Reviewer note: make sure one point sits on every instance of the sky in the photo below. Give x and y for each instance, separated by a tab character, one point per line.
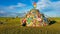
12	8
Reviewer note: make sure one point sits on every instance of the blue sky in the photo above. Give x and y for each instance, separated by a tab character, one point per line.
11	8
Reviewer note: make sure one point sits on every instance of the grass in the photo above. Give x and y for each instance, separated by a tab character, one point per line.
12	26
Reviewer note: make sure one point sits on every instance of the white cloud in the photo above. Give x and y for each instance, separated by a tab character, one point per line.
41	4
18	5
47	5
11	7
56	6
2	12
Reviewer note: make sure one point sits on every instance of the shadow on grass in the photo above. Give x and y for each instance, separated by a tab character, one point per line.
1	22
52	22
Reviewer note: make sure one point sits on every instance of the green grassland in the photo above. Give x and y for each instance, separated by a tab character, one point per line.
10	25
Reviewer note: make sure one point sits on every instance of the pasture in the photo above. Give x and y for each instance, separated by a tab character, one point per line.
10	25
